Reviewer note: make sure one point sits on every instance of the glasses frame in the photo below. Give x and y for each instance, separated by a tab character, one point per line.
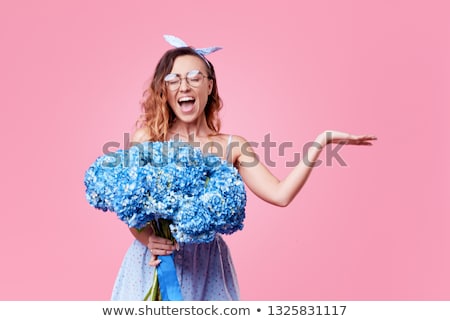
185	78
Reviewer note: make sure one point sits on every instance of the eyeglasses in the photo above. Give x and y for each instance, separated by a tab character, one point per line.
194	78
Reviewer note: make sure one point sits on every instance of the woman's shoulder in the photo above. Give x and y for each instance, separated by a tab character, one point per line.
231	138
140	135
234	146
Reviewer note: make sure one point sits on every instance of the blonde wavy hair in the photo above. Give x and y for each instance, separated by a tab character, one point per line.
157	116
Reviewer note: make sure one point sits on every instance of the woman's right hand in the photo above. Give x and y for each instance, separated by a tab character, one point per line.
159	246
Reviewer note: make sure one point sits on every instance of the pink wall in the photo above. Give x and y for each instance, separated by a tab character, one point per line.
72	74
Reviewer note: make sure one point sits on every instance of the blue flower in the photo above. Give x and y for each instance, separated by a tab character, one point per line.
200	194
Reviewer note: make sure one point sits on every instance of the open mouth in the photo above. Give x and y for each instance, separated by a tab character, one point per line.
186	103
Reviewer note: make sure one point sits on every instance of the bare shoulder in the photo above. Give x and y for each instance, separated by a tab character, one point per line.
238	139
230	140
238	142
238	148
140	135
224	137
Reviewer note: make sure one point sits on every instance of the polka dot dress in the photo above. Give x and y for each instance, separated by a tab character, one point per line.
205	272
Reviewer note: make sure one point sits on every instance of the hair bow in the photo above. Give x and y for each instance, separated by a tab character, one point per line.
178	43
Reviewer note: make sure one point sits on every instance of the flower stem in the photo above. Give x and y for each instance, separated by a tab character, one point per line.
154	294
162	229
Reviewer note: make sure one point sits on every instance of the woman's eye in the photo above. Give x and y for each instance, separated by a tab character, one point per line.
171	77
193	73
194	79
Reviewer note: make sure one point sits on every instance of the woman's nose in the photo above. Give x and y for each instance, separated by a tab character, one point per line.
184	85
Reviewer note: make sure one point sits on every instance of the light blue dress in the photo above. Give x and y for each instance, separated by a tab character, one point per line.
205	272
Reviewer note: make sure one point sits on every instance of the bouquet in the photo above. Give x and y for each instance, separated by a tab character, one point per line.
186	196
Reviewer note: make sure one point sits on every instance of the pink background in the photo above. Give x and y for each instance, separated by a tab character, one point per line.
71	78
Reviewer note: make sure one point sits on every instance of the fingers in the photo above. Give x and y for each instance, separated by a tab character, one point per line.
365	140
362	137
159	246
159	240
154	261
367	137
158	251
164	247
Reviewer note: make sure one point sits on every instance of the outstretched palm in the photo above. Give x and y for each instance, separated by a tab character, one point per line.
337	137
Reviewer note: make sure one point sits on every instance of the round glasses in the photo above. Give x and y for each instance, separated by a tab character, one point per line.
194	78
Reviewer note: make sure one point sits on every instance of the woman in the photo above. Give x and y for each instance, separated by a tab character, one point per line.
183	103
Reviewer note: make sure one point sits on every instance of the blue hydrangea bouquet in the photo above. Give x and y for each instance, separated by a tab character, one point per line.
184	194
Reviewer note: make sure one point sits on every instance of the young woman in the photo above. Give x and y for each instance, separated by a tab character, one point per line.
182	103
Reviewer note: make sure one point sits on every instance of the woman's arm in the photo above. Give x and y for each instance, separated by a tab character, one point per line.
281	192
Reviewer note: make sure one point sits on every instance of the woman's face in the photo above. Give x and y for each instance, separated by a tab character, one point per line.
188	101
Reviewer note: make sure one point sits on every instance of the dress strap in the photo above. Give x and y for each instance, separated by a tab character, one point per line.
228	148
